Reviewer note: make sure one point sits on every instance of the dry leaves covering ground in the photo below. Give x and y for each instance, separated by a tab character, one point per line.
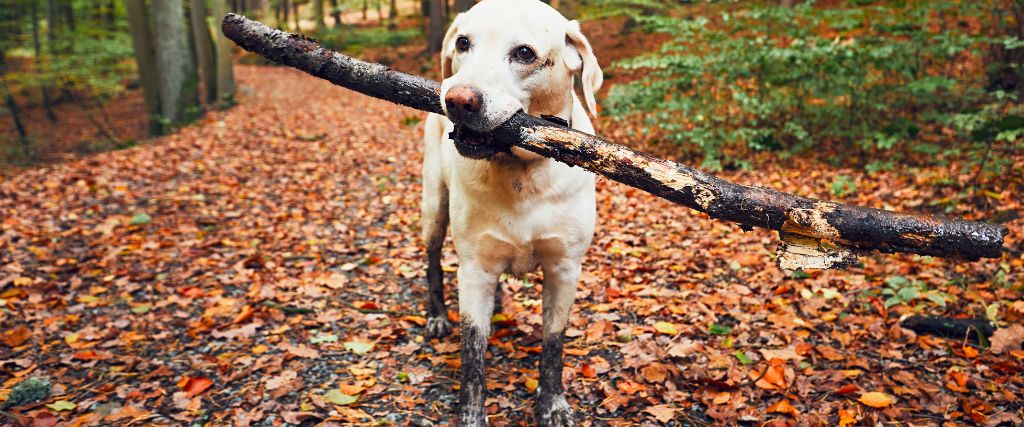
263	268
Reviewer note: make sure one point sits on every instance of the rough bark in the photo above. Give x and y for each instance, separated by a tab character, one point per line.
225	70
846	227
204	49
142	44
176	75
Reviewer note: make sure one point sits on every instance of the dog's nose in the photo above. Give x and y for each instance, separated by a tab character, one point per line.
463	102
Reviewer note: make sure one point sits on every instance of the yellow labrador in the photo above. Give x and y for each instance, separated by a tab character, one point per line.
514	211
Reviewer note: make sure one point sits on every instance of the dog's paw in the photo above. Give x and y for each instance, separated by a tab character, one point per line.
438	327
554	411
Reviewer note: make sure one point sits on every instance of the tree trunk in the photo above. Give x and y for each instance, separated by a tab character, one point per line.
142	44
393	12
336	13
12	109
37	49
204	49
176	75
225	69
295	15
850	227
435	30
380	12
286	8
365	6
318	14
463	5
569	8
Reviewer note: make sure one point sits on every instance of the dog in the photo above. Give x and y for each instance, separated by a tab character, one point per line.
515	211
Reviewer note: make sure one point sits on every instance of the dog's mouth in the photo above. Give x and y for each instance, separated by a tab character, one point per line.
488	145
478	145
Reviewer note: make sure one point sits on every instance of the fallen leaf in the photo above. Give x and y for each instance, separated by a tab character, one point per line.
15	336
666	328
1009	338
783	407
336	397
359	347
62	405
876	399
662	413
194	386
300	350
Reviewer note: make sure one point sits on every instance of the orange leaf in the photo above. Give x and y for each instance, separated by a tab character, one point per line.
847	389
629	387
351	389
16	336
418	320
969	352
588	371
244	315
577	351
847	417
90	355
876	399
194	386
531	384
783	407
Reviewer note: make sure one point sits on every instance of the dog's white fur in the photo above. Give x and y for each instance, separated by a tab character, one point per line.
515	212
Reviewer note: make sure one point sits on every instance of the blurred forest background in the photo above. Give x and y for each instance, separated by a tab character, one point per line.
869	83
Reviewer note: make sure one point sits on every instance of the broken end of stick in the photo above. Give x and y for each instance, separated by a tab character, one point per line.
798	252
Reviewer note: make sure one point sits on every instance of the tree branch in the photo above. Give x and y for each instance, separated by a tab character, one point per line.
803	222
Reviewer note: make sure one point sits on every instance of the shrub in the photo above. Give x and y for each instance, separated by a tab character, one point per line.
864	79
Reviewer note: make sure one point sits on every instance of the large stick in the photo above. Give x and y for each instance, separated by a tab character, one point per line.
802	222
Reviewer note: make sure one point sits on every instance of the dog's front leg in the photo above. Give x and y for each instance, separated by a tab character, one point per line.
552	410
476	306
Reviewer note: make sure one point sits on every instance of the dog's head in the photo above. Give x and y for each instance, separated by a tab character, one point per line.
503	56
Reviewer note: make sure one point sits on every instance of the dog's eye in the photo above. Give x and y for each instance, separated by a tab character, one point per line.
462	43
524	54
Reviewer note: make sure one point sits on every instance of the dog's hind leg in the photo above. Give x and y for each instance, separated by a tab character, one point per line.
435	225
551	409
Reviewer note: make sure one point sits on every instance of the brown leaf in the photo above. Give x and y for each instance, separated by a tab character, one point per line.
300	350
1009	338
15	336
194	386
783	407
662	413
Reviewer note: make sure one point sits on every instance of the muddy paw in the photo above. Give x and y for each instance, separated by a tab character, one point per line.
554	411
438	327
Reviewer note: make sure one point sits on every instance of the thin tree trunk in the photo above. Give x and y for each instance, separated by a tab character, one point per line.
336	13
295	15
463	5
204	49
365	6
225	69
286	8
797	219
380	11
12	109
318	14
142	44
176	71
37	48
435	29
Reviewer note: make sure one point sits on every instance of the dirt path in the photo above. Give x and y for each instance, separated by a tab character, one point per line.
260	267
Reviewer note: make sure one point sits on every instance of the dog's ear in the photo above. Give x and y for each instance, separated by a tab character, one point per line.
581	58
447	50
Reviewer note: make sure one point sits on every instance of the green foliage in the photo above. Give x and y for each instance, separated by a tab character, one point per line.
354	39
864	78
900	290
599	9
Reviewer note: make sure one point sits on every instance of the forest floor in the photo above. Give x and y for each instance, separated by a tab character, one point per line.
263	267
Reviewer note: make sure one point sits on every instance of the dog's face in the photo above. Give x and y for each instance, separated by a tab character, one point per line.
503	56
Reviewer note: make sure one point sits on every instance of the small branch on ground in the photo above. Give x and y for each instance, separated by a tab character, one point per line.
843	228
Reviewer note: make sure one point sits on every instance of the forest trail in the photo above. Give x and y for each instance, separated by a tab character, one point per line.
264	266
